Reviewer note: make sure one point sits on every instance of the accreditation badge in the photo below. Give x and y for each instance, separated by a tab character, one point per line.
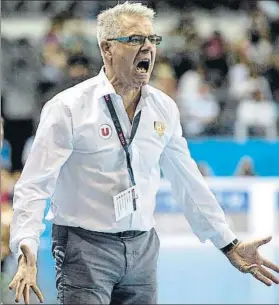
125	203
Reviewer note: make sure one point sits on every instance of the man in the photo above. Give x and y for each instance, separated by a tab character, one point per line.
103	189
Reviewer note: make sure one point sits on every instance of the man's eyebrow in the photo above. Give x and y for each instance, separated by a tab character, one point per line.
134	33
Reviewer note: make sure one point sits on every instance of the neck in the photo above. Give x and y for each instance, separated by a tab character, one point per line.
130	95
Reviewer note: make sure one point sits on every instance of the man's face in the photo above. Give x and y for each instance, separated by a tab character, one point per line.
126	60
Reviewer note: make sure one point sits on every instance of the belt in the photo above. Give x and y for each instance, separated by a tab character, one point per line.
127	234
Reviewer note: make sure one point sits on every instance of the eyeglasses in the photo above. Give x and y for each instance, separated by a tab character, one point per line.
136	40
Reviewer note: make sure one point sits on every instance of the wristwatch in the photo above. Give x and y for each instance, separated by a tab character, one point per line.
230	246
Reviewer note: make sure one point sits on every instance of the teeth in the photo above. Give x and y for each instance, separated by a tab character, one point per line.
141	70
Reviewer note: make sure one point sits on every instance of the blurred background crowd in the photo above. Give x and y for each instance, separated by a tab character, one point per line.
219	61
225	79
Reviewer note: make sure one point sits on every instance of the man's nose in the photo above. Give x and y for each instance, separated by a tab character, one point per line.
147	45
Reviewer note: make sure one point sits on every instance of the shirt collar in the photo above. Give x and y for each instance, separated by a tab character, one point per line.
107	88
105	85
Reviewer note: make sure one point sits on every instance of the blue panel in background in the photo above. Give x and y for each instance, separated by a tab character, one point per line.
233	201
166	204
223	155
230	200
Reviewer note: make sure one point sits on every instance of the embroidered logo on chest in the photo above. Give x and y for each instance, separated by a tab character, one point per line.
160	128
105	131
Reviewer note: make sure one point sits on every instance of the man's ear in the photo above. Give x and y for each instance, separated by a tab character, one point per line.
106	49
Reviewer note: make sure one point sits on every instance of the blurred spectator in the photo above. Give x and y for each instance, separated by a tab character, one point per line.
200	113
258	49
76	71
8	179
215	58
245	167
54	57
164	77
239	72
19	108
75	41
259	20
8	260
7	185
1	132
256	117
272	75
205	169
35	70
183	45
78	68
54	62
189	83
54	35
247	87
6	217
6	155
193	47
198	108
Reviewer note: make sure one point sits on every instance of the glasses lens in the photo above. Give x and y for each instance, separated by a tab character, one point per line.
137	39
154	39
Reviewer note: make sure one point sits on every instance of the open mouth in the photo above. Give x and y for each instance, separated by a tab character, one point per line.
143	66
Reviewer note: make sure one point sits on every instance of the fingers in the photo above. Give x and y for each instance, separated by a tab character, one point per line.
24	289
270	265
269	275
247	268
26	294
37	291
19	290
14	282
256	273
262	241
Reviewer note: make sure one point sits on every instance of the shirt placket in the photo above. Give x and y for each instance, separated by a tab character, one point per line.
127	129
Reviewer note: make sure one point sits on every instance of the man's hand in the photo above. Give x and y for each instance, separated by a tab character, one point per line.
246	258
26	277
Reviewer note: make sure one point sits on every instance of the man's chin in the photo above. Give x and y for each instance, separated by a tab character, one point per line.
142	81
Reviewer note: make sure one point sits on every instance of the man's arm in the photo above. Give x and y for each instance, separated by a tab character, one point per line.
51	148
190	190
205	214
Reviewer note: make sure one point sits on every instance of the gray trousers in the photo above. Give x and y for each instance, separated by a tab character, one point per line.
104	268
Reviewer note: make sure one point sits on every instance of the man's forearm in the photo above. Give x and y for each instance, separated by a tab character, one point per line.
27	225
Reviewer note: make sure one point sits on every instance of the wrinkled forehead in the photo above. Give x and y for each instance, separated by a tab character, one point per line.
134	24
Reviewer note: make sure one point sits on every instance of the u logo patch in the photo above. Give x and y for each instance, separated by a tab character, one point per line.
105	131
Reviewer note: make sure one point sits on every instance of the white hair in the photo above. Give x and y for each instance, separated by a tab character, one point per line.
107	21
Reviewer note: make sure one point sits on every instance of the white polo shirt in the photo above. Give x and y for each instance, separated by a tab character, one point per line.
78	161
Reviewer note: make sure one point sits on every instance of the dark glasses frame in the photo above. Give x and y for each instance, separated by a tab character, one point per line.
138	39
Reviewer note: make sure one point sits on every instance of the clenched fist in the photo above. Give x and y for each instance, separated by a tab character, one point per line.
246	258
25	277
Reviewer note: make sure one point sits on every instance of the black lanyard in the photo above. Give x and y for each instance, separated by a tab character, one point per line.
121	136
